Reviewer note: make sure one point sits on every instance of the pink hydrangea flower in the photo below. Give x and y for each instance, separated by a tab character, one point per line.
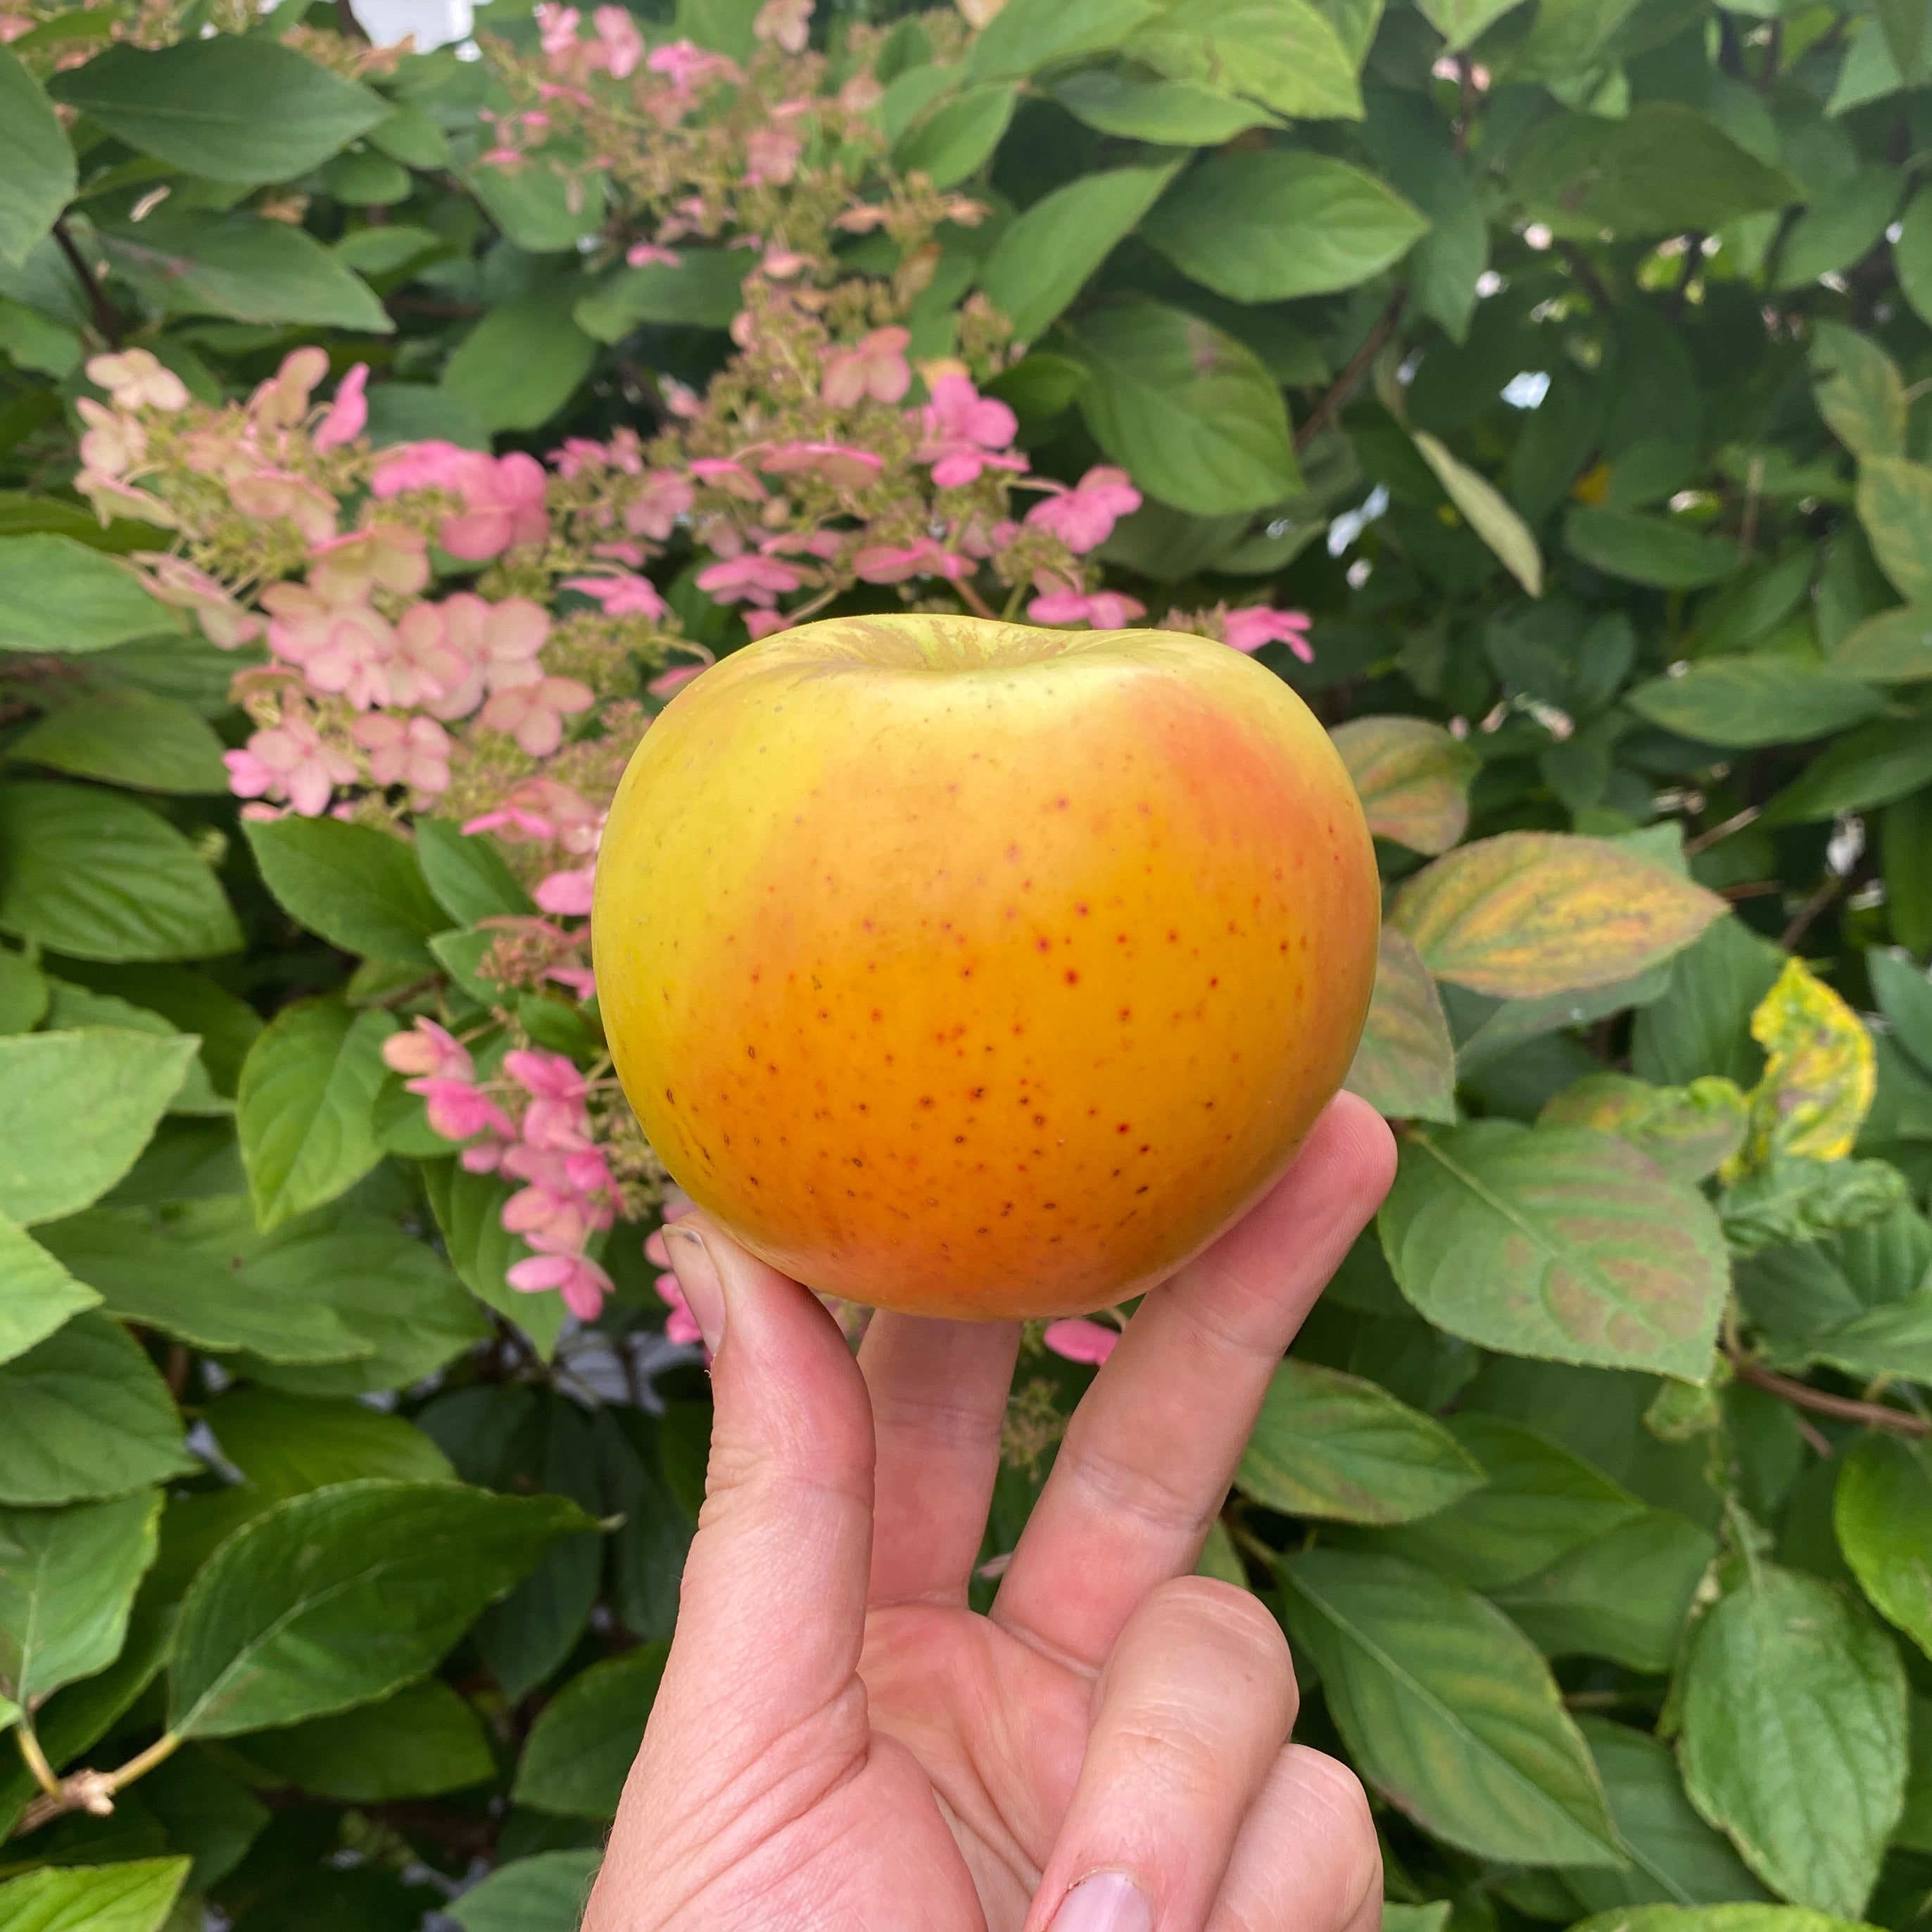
836	462
654	511
349	415
622	595
112	443
344	649
533	713
666	681
888	563
426	1048
964	431
1249	628
557	26
583	1284
174	580
496	644
568	894
685	64
1104	610
1083	518
639	254
875	366
135	379
771	156
414	751
620	46
387	557
1081	1341
761	579
502	496
282	401
785	23
269	494
290	761
721	473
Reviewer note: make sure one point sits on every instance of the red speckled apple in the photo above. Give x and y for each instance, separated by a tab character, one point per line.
978	970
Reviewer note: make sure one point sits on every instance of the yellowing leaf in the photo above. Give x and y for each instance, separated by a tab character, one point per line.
1820	1073
1412	778
1405	1064
1688	1131
1529	913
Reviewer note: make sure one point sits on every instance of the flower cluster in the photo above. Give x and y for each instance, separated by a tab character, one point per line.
422	629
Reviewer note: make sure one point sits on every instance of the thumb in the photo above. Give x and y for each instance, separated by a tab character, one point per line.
771	1612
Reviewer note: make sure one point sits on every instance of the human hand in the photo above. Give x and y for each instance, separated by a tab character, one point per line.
840	1744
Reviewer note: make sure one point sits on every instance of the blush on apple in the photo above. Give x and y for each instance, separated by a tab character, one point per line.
978	970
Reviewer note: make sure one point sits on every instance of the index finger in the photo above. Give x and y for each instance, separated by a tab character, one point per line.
1150	1453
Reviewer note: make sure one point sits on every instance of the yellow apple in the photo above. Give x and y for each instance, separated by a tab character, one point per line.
980	970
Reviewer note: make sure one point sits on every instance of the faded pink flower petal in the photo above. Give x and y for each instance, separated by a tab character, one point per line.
787	23
426	1048
759	578
621	595
1103	610
136	380
666	681
566	894
545	1076
533	714
420	465
876	366
1081	1341
836	462
886	563
348	415
414	751
583	1284
1250	628
621	45
290	761
1083	518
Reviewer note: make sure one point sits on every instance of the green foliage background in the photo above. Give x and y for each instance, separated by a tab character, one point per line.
1569	361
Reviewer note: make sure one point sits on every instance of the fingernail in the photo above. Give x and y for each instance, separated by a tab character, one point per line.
1107	1902
697	1275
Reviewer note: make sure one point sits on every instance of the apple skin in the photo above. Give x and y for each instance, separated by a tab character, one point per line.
982	971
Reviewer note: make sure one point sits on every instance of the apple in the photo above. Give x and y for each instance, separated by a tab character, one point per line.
979	970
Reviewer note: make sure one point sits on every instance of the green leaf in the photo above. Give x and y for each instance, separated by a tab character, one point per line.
546	209
1333	1446
1624	1595
1895	505
82	1414
80	1107
58	595
523	361
581	1746
98	876
1786	1656
395	1292
702	291
1462	22
467	874
1911	254
1538	1502
1894	647
244	267
1859	391
24	993
1702	1024
1412	778
1405	1064
1487	513
1842	223
1190	412
1915	1829
40	1293
339	1597
137	1897
67	1579
1657	550
544	1894
1284	53
1716	1919
957	138
1448	1709
1676	1858
1797	1197
124	735
468	1210
145	1276
1528	914
1043	259
305	1111
1894	1340
1557	1242
287	1445
1751	700
1904	996
234	107
1170	113
1661	168
417	1742
37	175
1883	1515
72	1008
1026	35
1887	759
1274	224
361	889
